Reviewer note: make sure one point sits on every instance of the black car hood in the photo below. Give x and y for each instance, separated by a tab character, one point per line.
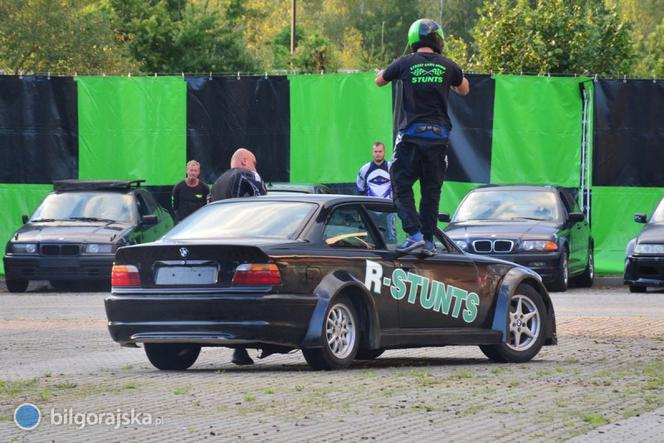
75	232
652	233
513	230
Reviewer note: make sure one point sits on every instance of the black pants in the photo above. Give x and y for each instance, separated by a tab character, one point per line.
424	160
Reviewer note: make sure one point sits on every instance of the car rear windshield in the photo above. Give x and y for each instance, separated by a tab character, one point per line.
248	219
509	205
87	206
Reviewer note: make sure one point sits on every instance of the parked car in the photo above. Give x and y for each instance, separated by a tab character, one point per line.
540	227
316	272
280	188
644	259
73	235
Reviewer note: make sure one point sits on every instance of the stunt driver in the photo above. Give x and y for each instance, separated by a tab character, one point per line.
422	140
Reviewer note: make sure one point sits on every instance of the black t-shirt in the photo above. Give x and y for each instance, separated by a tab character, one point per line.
238	182
186	199
426	79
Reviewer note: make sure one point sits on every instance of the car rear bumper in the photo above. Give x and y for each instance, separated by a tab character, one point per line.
212	319
58	268
645	271
547	265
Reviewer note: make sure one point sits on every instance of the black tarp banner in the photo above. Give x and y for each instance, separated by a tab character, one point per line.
224	113
629	133
472	127
38	129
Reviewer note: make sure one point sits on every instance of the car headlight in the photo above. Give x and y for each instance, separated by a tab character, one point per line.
648	248
462	244
539	246
98	248
24	248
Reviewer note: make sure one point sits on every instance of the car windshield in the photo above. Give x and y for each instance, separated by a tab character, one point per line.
658	215
508	205
86	206
249	219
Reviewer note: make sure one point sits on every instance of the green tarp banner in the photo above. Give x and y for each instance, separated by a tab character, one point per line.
15	201
132	128
613	225
537	127
335	118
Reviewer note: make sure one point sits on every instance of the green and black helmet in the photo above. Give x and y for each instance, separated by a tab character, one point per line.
426	32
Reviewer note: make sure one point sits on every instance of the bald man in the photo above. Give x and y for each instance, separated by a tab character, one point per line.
241	180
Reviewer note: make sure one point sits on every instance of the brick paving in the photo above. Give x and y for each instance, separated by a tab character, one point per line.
604	382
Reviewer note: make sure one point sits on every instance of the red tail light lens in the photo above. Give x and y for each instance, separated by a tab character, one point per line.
125	275
257	274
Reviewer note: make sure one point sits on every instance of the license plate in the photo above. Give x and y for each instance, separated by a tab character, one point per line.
186	275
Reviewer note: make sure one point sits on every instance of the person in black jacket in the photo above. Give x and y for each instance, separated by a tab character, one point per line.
241	180
190	194
424	128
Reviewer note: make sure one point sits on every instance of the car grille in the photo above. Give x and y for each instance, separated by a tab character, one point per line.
57	250
489	246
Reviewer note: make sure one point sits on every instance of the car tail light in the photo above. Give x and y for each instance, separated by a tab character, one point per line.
257	274
125	275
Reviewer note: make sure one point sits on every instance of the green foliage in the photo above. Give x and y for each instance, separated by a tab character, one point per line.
313	53
650	54
179	36
62	36
557	36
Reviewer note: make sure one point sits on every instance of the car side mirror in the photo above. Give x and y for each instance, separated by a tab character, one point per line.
641	218
25	218
149	220
445	218
575	217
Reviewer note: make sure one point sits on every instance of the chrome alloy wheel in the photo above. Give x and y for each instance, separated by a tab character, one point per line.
340	331
525	323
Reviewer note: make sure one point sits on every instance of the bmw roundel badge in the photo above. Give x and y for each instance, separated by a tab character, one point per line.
184	252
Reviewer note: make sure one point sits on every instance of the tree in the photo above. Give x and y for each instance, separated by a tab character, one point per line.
179	36
60	36
650	54
557	36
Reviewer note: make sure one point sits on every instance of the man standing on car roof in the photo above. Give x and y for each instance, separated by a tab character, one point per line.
373	179
190	194
241	180
424	129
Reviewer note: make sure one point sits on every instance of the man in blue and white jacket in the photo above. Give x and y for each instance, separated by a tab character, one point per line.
374	177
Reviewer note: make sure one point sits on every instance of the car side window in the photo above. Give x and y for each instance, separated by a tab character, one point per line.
346	228
148	201
140	204
388	224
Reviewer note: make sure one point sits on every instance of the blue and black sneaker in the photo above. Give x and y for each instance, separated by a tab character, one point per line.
412	242
429	248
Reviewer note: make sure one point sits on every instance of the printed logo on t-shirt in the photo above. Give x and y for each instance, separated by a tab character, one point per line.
427	73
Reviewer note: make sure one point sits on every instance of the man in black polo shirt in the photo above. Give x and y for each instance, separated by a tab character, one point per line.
424	128
241	180
190	194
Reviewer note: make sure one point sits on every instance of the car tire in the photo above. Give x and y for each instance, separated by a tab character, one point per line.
527	312
561	281
172	356
637	289
17	285
340	337
368	354
586	279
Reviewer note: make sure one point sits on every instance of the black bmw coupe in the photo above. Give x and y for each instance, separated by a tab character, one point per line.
317	273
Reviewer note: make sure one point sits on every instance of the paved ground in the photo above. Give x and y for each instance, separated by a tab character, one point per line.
604	382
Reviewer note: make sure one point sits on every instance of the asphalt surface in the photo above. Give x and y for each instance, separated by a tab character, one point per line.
603	382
